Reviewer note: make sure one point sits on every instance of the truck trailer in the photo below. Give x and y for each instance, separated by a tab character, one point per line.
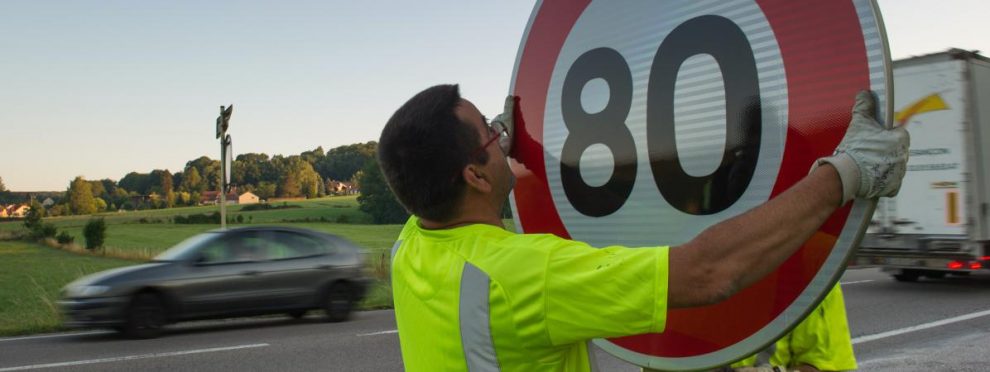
938	224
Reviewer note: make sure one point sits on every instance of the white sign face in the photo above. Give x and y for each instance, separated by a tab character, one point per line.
228	159
641	123
699	117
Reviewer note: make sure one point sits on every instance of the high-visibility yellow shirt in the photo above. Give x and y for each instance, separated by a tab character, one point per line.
481	298
821	340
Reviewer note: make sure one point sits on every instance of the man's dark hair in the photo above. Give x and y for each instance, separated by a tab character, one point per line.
423	149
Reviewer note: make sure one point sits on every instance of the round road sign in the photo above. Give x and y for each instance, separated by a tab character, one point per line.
644	122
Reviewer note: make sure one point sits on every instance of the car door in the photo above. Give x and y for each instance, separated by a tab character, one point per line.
297	268
225	279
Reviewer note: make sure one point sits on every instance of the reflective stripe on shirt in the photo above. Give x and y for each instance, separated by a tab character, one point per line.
476	336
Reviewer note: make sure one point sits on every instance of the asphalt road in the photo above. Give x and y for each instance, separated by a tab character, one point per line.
939	325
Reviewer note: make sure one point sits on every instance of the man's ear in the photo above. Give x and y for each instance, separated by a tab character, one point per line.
476	178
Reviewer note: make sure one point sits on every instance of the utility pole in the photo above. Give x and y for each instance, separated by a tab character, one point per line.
223	121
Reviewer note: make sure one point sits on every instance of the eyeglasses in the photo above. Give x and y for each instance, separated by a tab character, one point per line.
497	131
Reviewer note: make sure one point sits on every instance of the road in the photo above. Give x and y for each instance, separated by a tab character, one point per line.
939	325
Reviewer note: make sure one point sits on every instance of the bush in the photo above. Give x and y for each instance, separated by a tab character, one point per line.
240	218
95	233
65	238
195	219
266	207
41	231
343	219
48	230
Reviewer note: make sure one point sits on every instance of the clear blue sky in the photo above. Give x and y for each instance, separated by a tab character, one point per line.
102	88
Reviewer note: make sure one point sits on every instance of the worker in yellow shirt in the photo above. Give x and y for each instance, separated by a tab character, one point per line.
471	296
821	342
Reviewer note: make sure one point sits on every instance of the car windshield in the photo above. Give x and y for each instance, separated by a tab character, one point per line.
185	249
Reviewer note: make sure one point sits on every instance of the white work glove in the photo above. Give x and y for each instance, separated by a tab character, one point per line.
504	123
871	160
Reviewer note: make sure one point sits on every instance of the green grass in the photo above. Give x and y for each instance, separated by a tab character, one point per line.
31	277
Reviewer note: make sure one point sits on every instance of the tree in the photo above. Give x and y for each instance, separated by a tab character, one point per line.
290	187
3	187
95	233
209	171
376	197
340	163
33	219
81	197
136	182
265	190
101	205
191	181
314	156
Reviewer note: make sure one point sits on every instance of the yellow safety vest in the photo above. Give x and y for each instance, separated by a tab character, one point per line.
481	298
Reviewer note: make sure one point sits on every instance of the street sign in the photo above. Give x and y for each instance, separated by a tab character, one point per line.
644	122
228	160
223	121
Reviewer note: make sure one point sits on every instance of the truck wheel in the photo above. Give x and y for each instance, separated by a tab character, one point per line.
145	317
907	276
338	302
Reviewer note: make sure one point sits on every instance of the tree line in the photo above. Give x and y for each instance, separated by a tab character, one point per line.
309	174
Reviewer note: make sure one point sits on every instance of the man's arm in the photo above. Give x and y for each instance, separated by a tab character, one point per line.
737	252
869	162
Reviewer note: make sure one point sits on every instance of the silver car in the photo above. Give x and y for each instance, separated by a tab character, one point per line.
223	273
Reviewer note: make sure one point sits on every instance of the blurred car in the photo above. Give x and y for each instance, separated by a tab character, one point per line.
223	273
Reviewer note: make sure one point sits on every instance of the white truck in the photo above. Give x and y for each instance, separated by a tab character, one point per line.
938	224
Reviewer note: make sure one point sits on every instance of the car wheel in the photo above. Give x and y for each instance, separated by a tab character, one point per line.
146	317
297	314
907	276
338	302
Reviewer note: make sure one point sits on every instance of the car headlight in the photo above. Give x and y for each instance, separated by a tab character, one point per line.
87	290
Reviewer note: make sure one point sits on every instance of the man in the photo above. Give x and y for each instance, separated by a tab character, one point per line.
821	342
470	295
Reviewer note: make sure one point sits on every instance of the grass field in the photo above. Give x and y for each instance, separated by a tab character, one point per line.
31	277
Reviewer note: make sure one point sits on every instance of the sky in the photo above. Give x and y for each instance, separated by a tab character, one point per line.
102	88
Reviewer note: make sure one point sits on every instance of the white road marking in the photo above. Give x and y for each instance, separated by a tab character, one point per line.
868	338
379	333
130	357
857	282
54	335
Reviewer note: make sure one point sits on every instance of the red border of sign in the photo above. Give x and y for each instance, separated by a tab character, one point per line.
822	78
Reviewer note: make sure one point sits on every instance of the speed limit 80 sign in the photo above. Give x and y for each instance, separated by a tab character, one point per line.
644	122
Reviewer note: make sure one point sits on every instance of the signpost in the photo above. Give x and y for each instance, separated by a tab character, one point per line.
644	122
226	152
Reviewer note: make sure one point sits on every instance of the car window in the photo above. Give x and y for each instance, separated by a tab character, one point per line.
242	247
285	244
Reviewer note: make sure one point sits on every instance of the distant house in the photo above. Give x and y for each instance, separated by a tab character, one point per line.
18	210
340	188
248	198
3	211
48	202
213	197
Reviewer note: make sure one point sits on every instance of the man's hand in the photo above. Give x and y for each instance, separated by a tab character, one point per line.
871	160
505	122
